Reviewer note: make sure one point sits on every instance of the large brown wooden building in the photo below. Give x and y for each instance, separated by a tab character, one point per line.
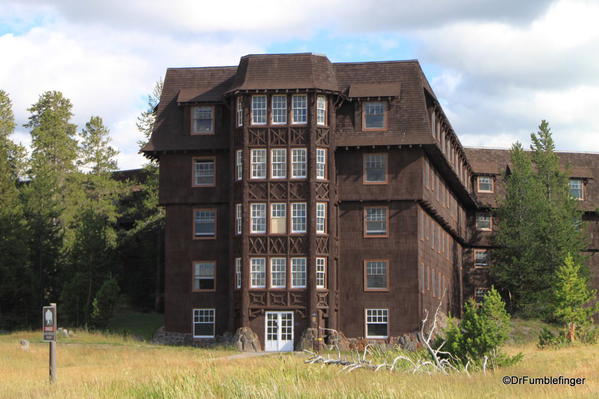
301	193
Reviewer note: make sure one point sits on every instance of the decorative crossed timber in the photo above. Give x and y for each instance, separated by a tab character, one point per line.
257	298
277	245
297	191
255	313
322	245
297	245
278	191
298	136
257	245
278	136
257	136
322	299
277	299
296	299
322	136
257	191
322	191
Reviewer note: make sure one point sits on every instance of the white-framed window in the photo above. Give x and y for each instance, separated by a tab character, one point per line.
278	272
238	275
373	115
481	258
375	168
321	217
279	110
485	184
258	218
576	188
480	293
203	172
321	110
376	274
299	108
483	222
257	272
298	217
204	221
239	112
202	120
321	162
321	272
204	276
258	163
239	164
298	163
203	323
259	110
377	323
375	221
278	218
298	272
238	218
278	163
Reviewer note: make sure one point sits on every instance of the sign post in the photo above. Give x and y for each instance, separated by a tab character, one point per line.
49	335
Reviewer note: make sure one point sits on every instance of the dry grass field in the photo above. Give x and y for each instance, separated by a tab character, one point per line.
111	366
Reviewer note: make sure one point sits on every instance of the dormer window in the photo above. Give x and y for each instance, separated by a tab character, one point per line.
484	184
576	189
373	116
202	120
258	110
299	108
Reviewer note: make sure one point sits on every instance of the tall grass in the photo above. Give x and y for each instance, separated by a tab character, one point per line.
103	366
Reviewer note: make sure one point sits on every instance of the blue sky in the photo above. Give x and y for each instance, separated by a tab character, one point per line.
498	67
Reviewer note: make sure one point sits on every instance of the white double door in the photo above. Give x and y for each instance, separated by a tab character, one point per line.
279	331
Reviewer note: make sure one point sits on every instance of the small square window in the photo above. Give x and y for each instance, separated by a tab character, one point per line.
204	223
375	221
376	275
373	116
204	275
485	184
375	168
483	222
481	258
203	323
377	323
576	188
203	172
202	120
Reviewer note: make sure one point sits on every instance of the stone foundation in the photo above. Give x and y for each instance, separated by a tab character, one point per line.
163	337
409	342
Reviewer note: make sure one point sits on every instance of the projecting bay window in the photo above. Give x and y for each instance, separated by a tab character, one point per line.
298	217
202	120
576	189
204	276
298	272
481	258
204	223
374	168
376	275
238	274
298	163
321	217
321	110
258	218
321	163
321	272
203	323
258	110
239	164
278	272
377	323
483	222
278	218
374	116
238	218
278	163
203	172
258	163
257	273
279	110
299	109
239	112
484	184
375	221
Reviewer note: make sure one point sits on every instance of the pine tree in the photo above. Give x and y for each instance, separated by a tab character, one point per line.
50	194
537	225
15	271
572	297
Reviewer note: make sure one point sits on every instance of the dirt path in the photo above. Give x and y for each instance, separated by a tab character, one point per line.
245	355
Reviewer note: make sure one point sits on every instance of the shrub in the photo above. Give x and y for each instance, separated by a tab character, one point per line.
548	339
105	302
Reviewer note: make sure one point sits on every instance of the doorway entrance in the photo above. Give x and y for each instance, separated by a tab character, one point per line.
279	332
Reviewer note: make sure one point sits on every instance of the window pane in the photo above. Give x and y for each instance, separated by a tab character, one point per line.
483	222
259	110
298	162
258	272
374	115
375	166
278	273
279	109
239	112
279	163
258	163
576	188
321	110
204	222
239	164
376	221
278	218
377	330
202	120
321	158
321	217
321	270
298	218
298	272
203	173
485	183
300	108
376	273
258	218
